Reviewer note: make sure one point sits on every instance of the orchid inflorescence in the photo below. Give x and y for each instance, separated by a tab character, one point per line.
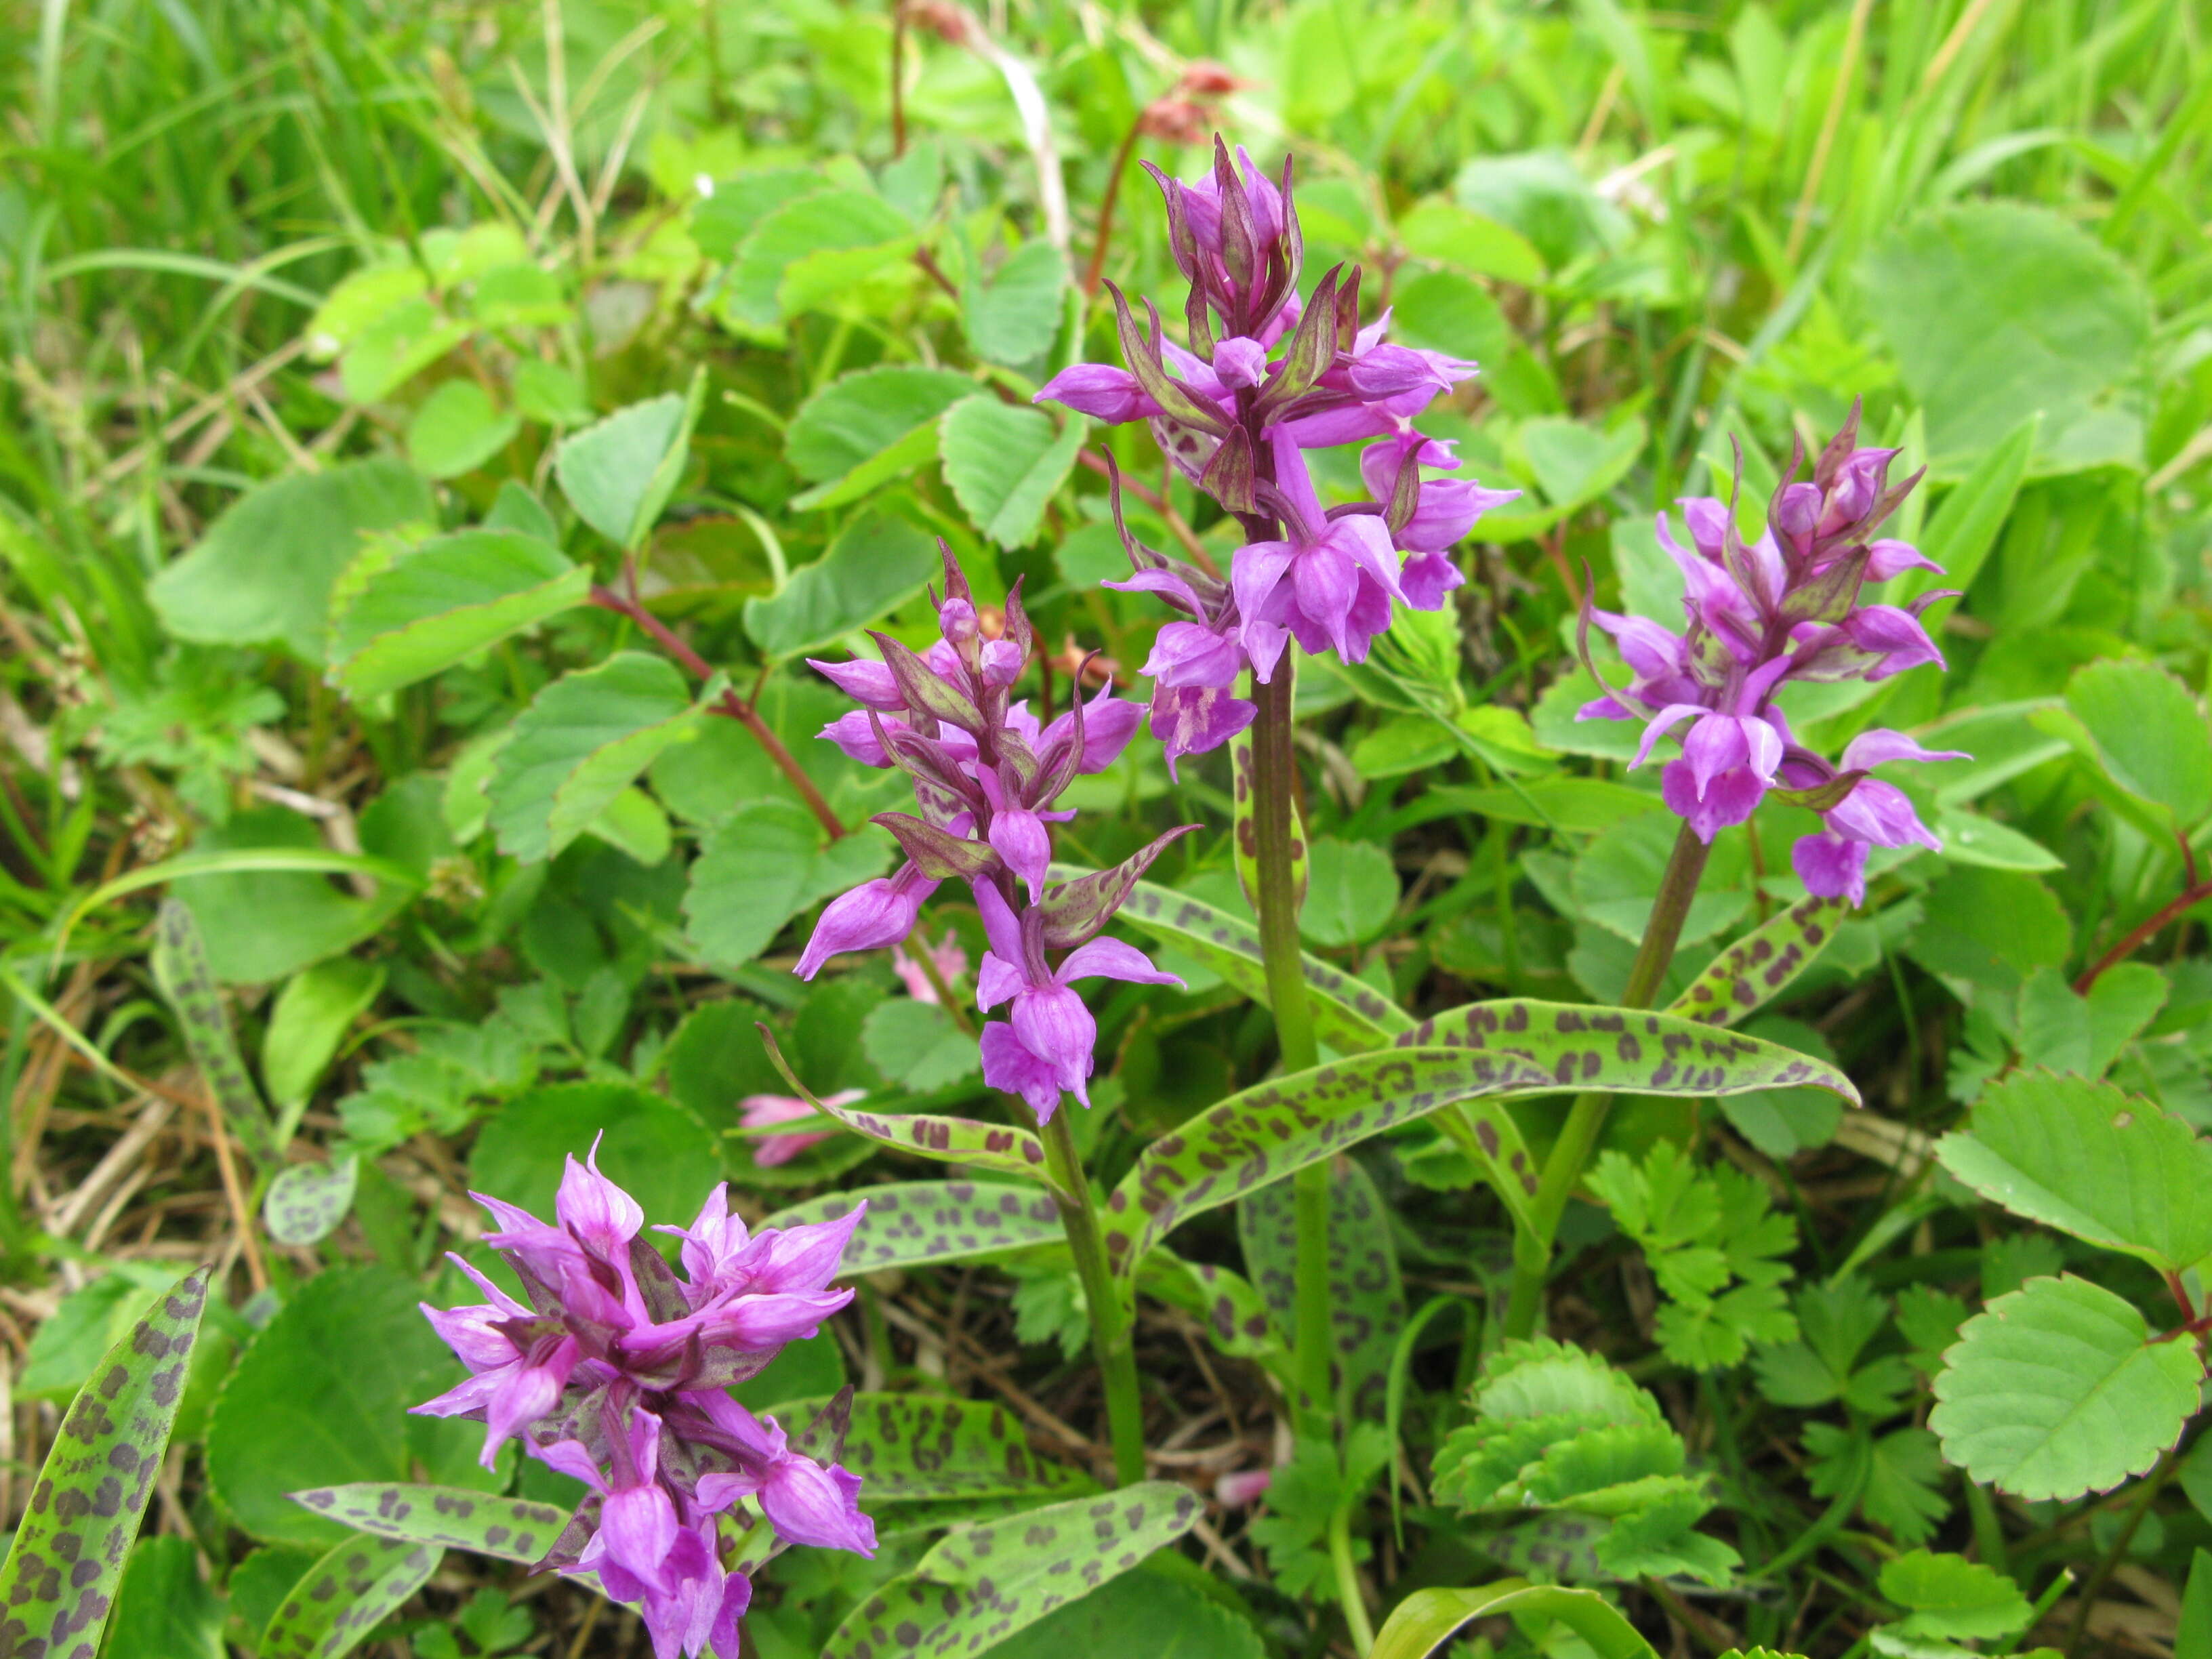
615	1369
1267	376
1761	614
986	774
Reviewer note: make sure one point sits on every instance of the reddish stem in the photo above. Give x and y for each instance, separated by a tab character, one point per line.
1094	272
2194	893
898	79
729	703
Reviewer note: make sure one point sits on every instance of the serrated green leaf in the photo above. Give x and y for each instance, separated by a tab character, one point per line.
63	1569
1659	1542
306	1201
1538	1378
1757	967
398	343
619	473
2067	1032
759	867
1948	1597
828	221
984	1582
457	429
2057	1389
2091	1161
2149	733
1012	318
1004	461
866	427
346	1595
450	1518
916	1046
913	1224
910	1448
878	563
443	601
1606	1471
579	745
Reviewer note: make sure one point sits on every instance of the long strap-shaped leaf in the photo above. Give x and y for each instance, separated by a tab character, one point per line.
949	1140
1426	1620
1494	1048
180	967
913	1224
63	1569
1756	968
345	1596
511	1529
1349	1015
982	1583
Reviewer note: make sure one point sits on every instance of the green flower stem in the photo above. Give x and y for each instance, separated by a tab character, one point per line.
1112	1334
1275	828
1347	1580
1563	1169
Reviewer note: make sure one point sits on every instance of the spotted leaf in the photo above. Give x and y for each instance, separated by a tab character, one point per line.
62	1571
510	1529
1366	1298
982	1583
1486	1049
180	968
306	1201
911	1224
1244	828
345	1596
1348	1014
910	1448
948	1139
1757	967
1235	1313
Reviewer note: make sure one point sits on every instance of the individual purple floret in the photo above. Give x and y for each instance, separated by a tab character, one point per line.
1786	607
1267	377
615	1369
986	774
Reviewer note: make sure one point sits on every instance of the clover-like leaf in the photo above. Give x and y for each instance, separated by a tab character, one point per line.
2090	1160
982	1583
345	1596
60	1578
2057	1389
509	1528
1756	968
911	1447
912	1224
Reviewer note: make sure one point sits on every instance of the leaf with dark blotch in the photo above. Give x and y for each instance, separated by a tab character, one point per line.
1074	911
1366	1298
1244	828
509	1528
910	1224
1491	1048
948	1139
1348	1014
67	1559
937	853
306	1201
1756	969
346	1595
982	1583
1236	1315
181	969
910	1448
924	691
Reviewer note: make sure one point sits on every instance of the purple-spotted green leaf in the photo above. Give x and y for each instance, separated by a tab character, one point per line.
1235	1315
1366	1297
911	1224
1349	1015
910	1448
347	1594
948	1139
509	1528
1756	968
1244	837
1493	1049
181	969
1485	1130
306	1201
1075	910
62	1571
982	1583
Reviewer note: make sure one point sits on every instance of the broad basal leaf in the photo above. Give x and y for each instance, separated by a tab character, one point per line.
306	1202
984	1582
620	473
1004	461
2090	1160
911	1224
1349	1014
910	1448
1013	317
1510	1047
510	1529
2057	1389
443	601
1757	967
878	563
1367	1299
579	745
759	867
345	1596
2149	733
2066	1031
458	429
67	1558
831	222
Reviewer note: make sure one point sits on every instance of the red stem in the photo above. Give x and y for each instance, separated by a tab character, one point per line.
2196	893
729	703
1094	272
898	79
